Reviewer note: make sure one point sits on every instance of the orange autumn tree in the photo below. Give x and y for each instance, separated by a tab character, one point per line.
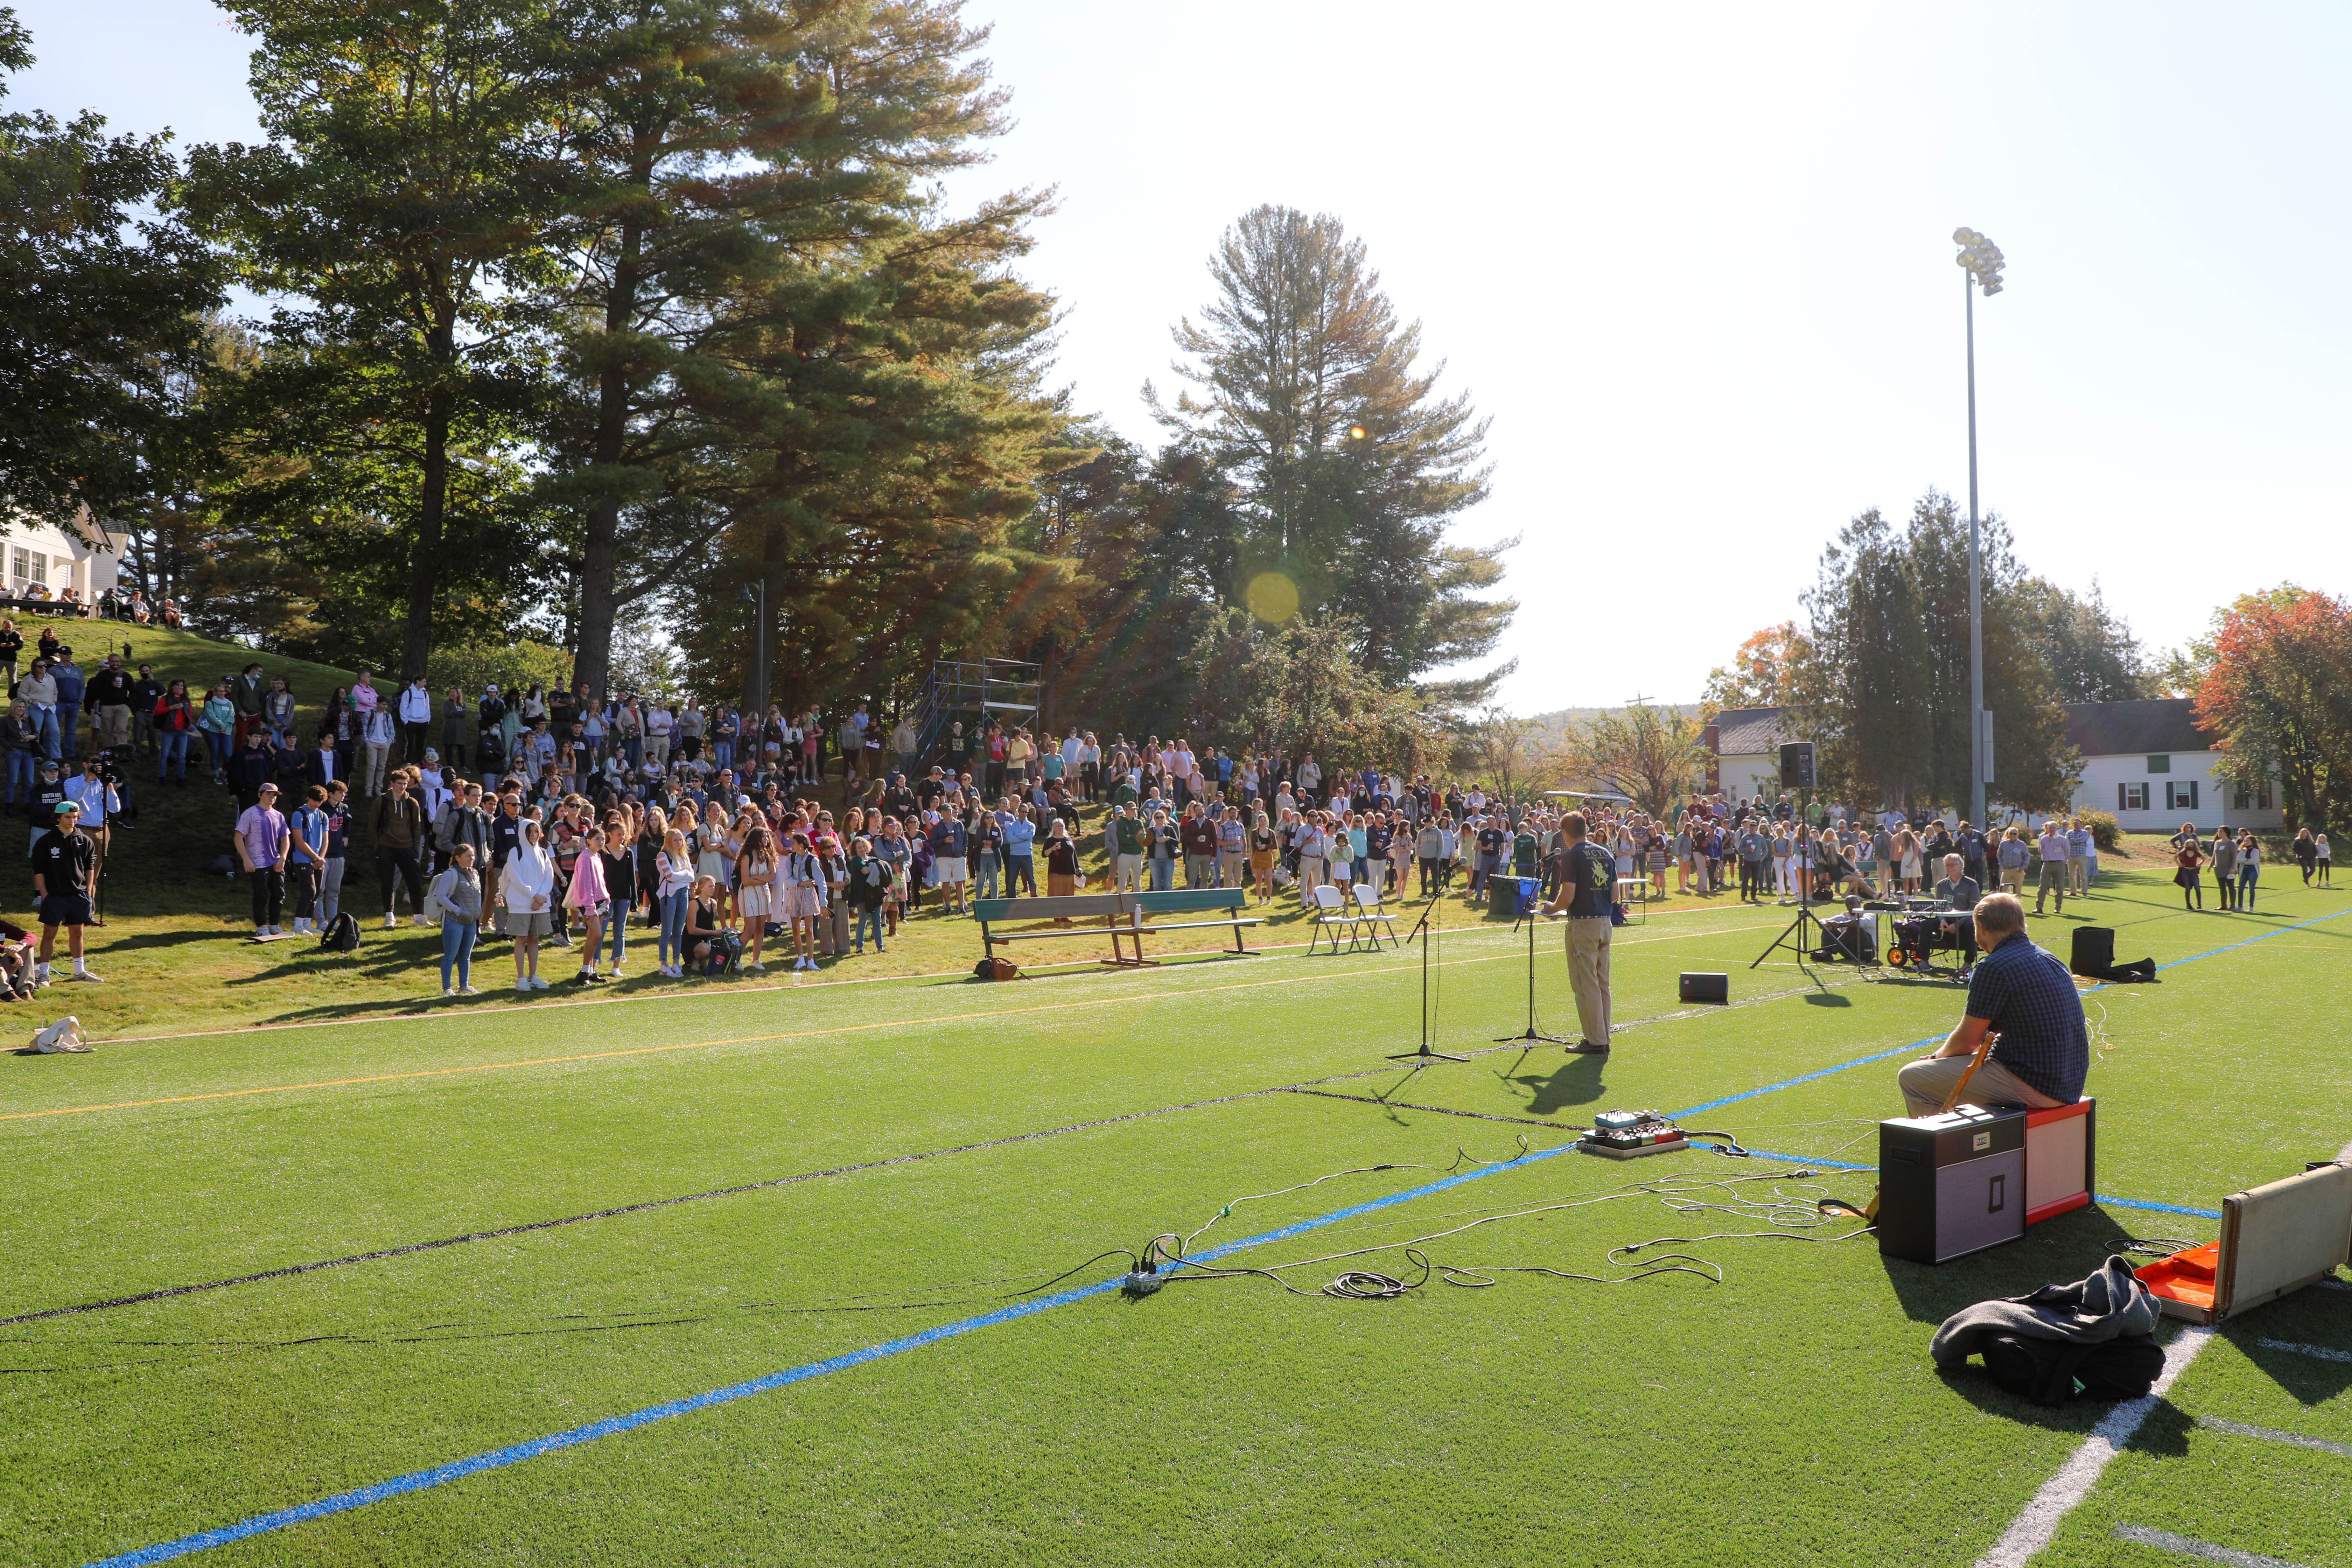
2274	685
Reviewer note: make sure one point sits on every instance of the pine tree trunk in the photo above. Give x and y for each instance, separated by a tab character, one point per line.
600	554
433	499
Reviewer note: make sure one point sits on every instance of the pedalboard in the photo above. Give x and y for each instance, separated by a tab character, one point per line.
1631	1134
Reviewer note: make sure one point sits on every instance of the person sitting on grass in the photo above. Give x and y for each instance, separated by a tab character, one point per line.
19	963
706	940
2023	998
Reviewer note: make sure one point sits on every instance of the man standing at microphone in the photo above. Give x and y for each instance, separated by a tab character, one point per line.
1588	893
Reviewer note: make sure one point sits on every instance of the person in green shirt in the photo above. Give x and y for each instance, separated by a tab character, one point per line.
1129	832
1523	850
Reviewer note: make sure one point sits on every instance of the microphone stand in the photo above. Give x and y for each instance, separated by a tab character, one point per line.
1532	1036
1428	932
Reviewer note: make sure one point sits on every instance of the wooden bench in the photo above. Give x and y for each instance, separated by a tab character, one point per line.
1110	908
1124	917
1186	902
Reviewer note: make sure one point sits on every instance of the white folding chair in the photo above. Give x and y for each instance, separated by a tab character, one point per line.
1331	912
1374	918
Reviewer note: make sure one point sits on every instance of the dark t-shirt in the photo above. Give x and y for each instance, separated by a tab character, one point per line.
63	860
1592	872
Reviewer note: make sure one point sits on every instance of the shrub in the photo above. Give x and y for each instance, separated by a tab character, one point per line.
469	667
2106	831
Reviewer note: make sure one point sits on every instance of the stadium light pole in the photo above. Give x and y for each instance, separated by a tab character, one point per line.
1981	263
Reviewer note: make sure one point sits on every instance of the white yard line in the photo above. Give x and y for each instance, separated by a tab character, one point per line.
2272	1434
2320	1351
2033	1529
2165	1541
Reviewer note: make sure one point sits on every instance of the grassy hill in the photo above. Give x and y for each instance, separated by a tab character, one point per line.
1556	722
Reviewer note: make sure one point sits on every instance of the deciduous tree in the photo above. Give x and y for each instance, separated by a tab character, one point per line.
2274	683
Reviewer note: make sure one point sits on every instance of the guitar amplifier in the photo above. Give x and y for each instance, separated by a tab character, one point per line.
1702	987
1951	1185
2061	1148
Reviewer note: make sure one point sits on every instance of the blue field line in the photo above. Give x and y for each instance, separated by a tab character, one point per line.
2101	1199
500	1458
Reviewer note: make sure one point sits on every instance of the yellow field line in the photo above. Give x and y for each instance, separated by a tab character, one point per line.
733	1040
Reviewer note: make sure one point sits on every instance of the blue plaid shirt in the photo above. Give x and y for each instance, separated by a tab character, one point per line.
2030	1000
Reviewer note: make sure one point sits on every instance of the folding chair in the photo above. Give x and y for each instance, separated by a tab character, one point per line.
1374	918
1331	912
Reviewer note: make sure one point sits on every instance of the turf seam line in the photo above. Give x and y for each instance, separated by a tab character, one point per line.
2272	1434
1408	1105
514	1454
2322	1352
2033	1529
2189	1546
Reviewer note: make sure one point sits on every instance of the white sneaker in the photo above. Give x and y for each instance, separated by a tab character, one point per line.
83	975
537	984
615	972
446	992
418	920
524	984
390	920
755	969
467	991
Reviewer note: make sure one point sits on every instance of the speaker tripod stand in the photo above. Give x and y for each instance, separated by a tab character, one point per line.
1427	930
1531	1036
1794	937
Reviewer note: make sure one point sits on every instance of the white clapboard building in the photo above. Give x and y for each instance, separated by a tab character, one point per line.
2149	764
41	561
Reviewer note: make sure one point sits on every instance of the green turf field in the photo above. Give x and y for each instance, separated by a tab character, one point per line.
1786	1415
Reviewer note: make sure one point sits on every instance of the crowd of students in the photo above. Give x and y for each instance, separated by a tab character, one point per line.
554	818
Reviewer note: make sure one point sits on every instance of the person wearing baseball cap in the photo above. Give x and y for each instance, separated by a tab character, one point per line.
261	839
61	868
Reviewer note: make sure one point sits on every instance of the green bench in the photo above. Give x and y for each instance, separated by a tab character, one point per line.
1123	915
1232	902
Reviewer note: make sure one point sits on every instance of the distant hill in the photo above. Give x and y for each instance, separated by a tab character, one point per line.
1556	722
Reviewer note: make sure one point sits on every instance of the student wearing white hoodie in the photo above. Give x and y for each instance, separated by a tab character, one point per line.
526	895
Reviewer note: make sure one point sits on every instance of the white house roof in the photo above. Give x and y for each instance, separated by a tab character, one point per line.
2129	728
1748	732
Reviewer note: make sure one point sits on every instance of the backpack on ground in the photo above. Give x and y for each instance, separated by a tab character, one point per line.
726	956
59	1038
2051	1372
995	969
342	935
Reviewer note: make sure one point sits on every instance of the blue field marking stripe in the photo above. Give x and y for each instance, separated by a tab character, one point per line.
1805	1078
500	1458
2102	1198
1938	1039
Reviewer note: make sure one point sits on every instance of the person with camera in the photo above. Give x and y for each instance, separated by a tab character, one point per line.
61	884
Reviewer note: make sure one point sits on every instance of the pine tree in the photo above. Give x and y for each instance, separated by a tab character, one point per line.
1301	387
100	306
396	217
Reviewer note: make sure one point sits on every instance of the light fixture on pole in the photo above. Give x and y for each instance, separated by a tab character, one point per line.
1980	261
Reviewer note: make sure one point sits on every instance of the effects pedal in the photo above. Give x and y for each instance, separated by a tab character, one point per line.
1630	1135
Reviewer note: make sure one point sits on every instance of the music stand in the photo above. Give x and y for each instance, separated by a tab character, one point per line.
1428	932
1533	1035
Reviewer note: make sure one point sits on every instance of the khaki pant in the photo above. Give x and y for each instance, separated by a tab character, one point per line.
113	726
2053	876
1926	1083
1587	973
2012	879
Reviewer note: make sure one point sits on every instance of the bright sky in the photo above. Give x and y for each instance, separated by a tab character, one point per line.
1694	263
